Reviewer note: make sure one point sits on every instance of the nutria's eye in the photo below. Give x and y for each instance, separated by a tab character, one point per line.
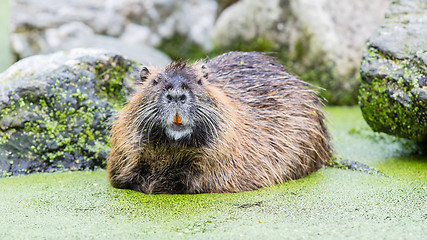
199	82
154	82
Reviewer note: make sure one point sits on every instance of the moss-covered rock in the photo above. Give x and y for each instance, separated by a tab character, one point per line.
393	93
57	118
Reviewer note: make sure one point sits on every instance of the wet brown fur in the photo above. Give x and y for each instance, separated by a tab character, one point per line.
271	129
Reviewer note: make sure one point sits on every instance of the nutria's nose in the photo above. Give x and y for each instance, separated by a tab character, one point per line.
176	98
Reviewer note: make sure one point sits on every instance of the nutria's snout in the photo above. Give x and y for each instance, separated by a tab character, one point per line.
177	105
176	97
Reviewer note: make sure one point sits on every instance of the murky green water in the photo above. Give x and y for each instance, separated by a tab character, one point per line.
330	204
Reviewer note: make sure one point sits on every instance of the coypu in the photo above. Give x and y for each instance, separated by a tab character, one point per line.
234	123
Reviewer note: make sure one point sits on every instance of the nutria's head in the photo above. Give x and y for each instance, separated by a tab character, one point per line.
176	107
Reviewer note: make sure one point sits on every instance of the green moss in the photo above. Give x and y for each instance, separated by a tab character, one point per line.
4	137
110	77
385	114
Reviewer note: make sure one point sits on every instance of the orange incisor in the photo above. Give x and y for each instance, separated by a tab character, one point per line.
177	119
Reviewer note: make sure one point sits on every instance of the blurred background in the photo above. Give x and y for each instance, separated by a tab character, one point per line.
5	51
320	41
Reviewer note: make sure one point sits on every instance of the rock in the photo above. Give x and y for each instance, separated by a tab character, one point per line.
35	24
73	30
321	41
138	34
393	93
79	35
55	110
141	53
246	20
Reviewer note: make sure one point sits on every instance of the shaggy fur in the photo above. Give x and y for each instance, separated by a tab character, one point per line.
246	124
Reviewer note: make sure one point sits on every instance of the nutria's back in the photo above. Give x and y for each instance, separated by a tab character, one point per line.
235	123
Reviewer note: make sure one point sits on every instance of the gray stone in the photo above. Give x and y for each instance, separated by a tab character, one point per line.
55	110
37	26
73	30
321	41
31	66
138	34
141	53
79	35
393	93
247	20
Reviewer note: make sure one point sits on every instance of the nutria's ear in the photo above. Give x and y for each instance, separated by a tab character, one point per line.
143	74
205	70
